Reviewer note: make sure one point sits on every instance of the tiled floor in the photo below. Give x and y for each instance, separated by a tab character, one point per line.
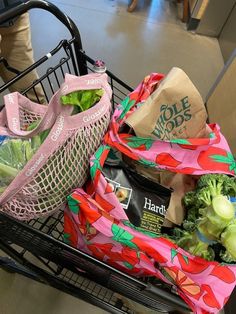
149	40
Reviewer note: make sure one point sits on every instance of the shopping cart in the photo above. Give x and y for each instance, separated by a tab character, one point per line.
36	249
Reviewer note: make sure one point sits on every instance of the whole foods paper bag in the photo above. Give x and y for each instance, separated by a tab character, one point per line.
174	110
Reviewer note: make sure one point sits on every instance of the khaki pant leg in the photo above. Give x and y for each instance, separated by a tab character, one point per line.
16	48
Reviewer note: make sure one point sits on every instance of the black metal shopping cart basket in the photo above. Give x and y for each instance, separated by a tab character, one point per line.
36	248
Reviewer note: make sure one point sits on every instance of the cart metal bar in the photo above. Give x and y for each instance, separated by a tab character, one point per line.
9	265
25	6
31	68
33	272
111	75
35	234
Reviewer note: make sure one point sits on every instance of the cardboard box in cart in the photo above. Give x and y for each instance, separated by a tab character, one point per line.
221	107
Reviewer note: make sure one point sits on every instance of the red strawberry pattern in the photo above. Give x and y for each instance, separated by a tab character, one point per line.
209	297
105	204
188	170
167	160
223	273
91	224
108	189
191	266
190	147
70	233
215	158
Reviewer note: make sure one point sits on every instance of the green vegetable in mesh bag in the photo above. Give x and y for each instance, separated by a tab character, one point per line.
82	100
15	153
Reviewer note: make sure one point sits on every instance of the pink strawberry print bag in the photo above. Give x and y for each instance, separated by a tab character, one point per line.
96	223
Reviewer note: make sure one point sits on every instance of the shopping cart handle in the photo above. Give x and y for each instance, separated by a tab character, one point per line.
24	6
9	6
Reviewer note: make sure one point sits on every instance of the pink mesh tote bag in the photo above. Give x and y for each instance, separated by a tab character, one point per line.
61	163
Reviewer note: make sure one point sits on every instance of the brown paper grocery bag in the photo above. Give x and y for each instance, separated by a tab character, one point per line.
181	184
174	110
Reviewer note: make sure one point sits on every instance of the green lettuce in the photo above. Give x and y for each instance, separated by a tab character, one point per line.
14	155
82	99
210	220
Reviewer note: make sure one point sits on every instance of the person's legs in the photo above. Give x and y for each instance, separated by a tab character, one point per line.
16	48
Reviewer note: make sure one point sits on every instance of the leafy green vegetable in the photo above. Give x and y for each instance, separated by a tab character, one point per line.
226	257
203	197
189	200
82	99
33	125
210	218
7	173
39	138
192	242
217	216
217	184
230	187
228	239
15	153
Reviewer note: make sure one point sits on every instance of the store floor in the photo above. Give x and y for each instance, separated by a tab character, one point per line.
20	295
151	39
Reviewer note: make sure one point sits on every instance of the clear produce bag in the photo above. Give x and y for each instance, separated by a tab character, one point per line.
96	223
59	162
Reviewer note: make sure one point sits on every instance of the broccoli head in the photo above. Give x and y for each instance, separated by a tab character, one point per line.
203	197
216	183
189	225
230	187
189	200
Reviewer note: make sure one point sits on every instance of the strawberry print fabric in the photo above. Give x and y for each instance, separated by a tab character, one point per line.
96	223
190	156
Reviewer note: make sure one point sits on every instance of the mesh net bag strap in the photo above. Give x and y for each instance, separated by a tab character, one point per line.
86	82
15	103
3	123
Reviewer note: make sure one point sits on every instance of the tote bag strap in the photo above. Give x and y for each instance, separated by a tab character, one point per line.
15	103
86	82
4	130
